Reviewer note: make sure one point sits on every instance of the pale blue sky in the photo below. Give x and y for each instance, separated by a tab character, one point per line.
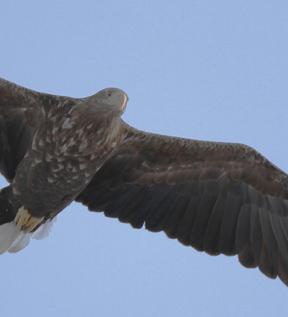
213	70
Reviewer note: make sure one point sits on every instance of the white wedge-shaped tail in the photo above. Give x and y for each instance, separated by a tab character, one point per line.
14	240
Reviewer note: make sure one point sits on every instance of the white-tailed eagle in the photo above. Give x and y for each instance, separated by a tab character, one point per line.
217	197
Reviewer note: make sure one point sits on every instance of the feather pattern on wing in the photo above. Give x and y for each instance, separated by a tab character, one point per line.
217	197
20	115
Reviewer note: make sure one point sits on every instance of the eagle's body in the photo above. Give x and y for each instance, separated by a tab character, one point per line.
69	146
217	197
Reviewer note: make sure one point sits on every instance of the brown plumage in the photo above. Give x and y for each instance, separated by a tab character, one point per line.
217	197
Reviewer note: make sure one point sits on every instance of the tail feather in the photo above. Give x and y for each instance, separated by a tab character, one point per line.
8	234
44	230
14	240
20	242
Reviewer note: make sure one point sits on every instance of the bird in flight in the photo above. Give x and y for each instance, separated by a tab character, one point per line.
216	197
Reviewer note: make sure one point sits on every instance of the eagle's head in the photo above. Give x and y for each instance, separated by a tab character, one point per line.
112	97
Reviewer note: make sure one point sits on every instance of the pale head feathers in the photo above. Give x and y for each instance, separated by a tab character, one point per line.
114	97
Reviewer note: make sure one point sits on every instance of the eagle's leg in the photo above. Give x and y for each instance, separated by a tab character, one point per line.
26	222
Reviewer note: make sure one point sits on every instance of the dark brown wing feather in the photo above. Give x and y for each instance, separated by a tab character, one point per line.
217	197
20	113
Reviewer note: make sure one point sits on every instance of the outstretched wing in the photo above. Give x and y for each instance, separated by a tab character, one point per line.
217	197
20	113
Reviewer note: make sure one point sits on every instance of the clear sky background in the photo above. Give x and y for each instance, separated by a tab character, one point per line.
212	70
